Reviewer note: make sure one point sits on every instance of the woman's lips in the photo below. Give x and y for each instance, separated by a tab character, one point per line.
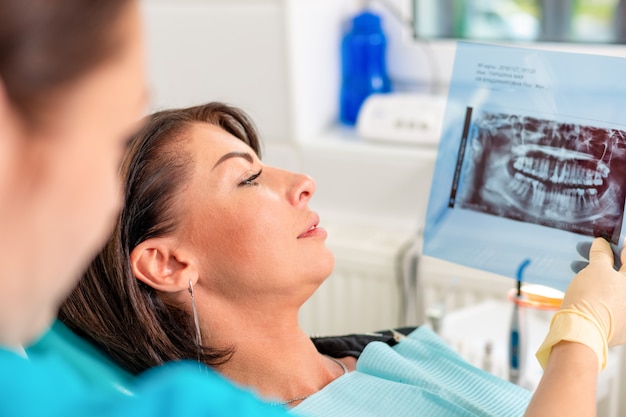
313	229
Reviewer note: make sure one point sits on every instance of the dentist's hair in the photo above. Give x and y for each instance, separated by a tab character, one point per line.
46	45
110	307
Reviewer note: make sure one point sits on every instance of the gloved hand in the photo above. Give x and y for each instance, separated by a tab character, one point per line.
583	249
593	311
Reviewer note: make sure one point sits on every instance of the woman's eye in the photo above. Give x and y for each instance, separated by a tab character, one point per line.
251	180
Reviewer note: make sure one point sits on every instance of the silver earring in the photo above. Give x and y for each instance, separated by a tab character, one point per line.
195	316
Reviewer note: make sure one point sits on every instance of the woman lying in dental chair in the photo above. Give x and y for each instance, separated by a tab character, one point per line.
212	257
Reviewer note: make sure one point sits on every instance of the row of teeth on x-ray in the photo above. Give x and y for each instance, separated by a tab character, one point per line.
555	171
561	199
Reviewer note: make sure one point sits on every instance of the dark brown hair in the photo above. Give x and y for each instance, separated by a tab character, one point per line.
45	45
110	306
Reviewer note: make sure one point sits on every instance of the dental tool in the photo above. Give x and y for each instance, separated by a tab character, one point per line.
517	342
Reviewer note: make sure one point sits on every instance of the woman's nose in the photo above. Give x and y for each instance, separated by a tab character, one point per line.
301	189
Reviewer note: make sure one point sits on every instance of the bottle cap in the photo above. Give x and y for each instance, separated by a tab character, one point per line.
366	20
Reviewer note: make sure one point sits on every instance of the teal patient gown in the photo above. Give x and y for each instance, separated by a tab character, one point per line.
420	376
48	387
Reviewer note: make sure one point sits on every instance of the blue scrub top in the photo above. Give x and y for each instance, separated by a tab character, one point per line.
47	386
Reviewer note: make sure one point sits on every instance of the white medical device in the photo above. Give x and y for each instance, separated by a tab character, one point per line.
402	118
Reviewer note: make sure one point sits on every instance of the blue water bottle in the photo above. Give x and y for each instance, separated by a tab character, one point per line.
363	65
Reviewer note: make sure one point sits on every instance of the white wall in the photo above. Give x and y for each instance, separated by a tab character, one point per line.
227	50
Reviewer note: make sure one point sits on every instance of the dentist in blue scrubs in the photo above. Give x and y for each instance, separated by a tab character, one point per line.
72	89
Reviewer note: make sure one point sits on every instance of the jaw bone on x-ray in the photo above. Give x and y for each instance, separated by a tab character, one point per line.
531	161
562	175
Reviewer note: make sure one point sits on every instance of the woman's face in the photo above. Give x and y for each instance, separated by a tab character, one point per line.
250	224
66	193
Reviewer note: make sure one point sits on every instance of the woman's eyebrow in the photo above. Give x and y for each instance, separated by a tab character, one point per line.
244	155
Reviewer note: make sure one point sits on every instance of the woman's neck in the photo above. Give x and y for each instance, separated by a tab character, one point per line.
272	354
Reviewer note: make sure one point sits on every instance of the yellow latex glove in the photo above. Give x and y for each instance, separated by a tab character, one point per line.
593	311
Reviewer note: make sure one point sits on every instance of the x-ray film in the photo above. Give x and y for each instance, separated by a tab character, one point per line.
531	163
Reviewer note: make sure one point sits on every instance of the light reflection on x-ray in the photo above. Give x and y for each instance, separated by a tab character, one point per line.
557	174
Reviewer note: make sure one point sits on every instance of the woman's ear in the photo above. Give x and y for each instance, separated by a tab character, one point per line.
161	264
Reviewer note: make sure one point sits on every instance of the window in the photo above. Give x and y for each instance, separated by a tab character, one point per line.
588	21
